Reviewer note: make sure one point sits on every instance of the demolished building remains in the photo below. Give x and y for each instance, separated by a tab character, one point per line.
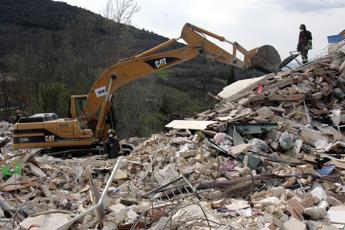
270	155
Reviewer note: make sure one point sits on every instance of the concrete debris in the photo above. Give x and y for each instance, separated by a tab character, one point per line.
286	141
319	193
294	224
189	124
120	175
272	158
315	212
235	90
336	216
49	221
237	205
166	174
194	216
163	223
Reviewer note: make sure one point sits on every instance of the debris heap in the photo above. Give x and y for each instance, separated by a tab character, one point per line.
271	157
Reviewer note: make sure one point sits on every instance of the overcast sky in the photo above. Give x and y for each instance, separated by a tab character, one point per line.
251	23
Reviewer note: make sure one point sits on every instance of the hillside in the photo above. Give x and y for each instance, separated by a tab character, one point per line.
50	50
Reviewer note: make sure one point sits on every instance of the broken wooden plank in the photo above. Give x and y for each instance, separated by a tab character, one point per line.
295	208
95	196
7	187
274	97
232	118
283	83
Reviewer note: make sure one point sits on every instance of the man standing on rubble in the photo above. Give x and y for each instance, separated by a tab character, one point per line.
112	146
304	42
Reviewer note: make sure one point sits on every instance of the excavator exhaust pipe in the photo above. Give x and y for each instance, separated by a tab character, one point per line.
265	58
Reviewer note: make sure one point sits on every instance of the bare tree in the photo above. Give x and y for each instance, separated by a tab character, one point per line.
121	11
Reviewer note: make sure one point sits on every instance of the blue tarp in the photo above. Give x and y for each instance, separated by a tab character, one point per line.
335	38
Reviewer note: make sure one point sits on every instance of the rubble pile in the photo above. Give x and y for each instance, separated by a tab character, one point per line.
5	134
271	157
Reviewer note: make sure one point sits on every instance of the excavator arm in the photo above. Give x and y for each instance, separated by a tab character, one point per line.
154	60
43	130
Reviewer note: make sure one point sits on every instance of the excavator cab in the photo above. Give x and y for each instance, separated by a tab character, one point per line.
76	108
76	105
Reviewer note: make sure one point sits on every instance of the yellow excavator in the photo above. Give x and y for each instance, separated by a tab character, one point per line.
86	126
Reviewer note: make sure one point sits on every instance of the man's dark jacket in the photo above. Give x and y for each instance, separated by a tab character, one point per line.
304	37
112	147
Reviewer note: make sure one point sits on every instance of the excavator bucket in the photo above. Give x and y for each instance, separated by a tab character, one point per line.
265	58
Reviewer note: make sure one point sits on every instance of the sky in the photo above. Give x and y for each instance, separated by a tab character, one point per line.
251	23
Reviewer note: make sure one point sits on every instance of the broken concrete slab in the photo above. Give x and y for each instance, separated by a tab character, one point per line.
189	214
189	124
116	207
294	224
120	175
319	225
240	87
49	221
319	193
265	112
315	212
166	174
336	215
237	204
314	137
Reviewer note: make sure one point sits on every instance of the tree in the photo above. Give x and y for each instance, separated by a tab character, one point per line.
121	11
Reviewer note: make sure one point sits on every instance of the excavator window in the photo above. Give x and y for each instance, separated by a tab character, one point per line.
80	103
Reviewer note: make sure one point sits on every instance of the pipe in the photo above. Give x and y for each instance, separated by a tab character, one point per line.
201	30
67	224
154	50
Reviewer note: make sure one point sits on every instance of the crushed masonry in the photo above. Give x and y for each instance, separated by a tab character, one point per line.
272	158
